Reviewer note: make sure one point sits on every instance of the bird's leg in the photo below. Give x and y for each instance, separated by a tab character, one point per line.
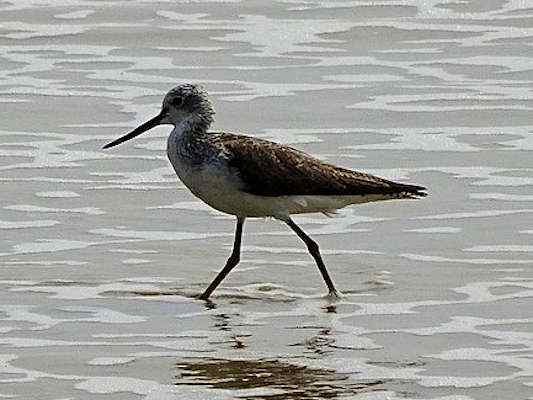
312	246
233	260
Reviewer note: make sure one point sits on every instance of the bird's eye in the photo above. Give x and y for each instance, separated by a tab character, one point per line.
177	101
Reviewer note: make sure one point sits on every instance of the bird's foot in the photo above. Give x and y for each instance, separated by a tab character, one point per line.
203	296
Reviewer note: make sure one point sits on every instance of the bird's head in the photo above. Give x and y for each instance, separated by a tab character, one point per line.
184	103
187	102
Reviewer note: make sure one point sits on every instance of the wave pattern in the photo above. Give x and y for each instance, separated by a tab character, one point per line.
103	251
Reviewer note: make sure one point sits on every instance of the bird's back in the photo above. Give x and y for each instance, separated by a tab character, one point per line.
270	169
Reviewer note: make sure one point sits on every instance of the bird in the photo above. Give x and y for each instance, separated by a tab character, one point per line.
249	177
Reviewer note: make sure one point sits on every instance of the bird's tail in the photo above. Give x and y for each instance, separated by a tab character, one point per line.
411	191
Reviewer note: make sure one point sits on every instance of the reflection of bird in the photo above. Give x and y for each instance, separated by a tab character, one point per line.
249	177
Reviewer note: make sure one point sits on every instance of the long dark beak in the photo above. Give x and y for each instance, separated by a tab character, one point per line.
137	131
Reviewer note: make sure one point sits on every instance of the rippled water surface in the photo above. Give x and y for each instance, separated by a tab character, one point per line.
101	252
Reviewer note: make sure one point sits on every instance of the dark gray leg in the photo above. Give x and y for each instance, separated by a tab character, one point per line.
312	246
233	260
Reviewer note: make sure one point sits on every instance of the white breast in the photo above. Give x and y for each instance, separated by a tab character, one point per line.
209	179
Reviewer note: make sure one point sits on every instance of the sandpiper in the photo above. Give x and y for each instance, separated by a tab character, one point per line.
250	177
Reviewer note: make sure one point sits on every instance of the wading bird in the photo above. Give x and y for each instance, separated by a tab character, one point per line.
250	177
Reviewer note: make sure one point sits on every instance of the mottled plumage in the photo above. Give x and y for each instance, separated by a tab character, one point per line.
251	177
272	169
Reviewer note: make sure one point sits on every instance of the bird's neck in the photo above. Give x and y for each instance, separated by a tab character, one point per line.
187	143
192	127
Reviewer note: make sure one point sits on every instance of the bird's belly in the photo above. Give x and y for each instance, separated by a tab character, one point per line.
218	186
249	205
213	183
220	190
217	189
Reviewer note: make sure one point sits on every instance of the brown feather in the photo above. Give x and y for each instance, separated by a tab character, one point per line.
271	169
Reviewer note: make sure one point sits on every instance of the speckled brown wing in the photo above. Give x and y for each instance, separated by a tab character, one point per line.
271	169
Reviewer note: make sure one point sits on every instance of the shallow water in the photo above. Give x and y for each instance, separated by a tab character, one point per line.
102	251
